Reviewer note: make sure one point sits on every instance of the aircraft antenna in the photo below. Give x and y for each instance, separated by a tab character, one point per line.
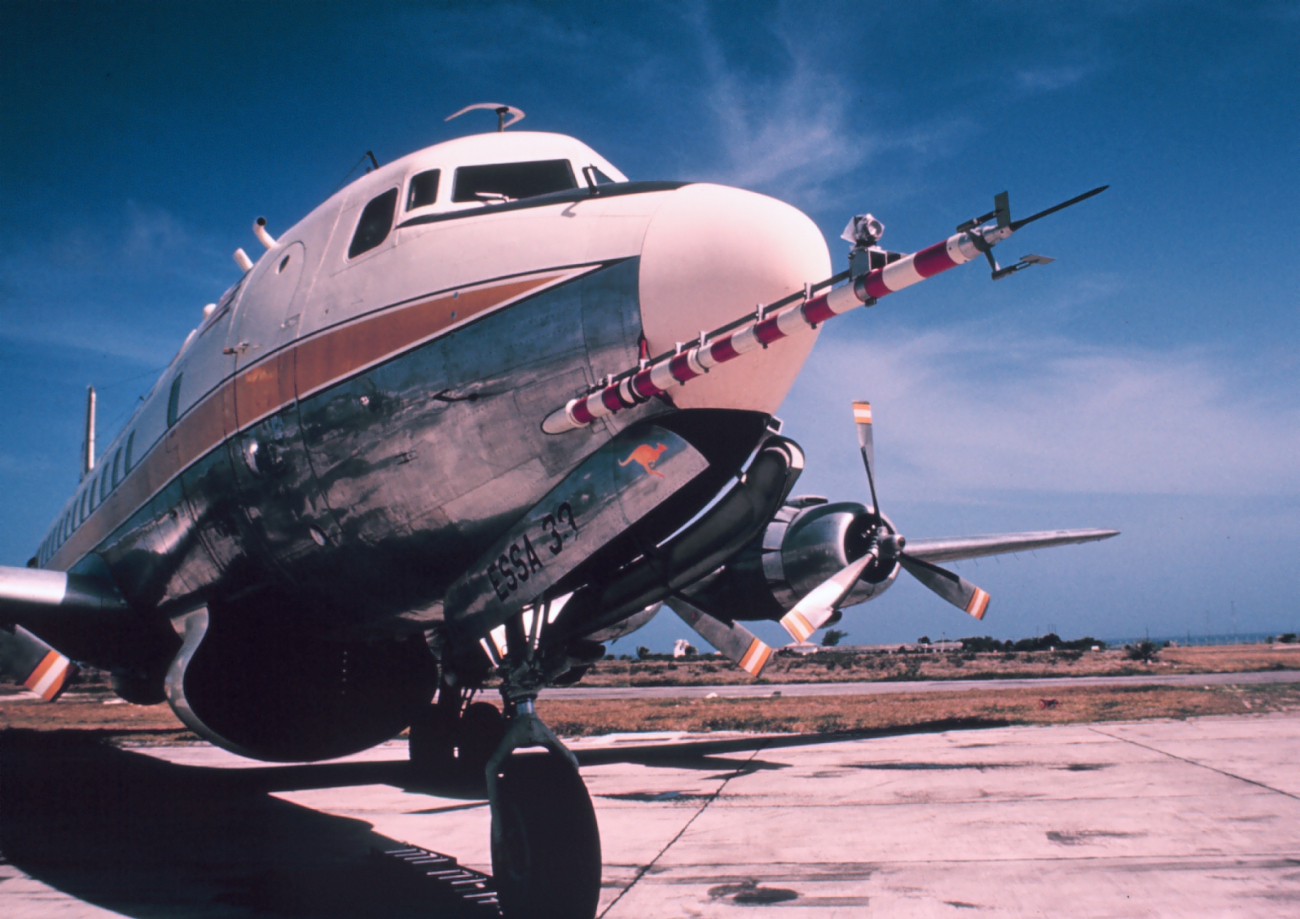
516	115
368	155
88	453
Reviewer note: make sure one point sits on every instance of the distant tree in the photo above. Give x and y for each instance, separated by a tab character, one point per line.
923	640
1287	638
833	637
642	652
983	645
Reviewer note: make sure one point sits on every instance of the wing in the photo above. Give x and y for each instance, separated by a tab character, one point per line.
954	548
30	595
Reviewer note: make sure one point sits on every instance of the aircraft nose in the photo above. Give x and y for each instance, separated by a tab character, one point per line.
710	255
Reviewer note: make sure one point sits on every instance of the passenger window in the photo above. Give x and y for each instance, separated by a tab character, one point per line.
130	446
117	467
94	494
174	400
376	220
423	190
512	181
85	496
103	482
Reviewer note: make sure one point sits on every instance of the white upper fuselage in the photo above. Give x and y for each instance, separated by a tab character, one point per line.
707	254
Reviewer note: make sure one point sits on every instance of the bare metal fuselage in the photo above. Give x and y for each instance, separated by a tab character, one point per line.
353	432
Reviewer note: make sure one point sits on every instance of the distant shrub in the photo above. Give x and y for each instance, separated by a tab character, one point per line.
1040	643
1144	650
1287	638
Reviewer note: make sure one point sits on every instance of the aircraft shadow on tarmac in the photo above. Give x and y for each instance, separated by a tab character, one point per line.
143	837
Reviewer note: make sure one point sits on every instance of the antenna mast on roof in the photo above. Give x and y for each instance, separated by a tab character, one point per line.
516	115
88	445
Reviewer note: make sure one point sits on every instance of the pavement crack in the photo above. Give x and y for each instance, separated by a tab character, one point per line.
1192	762
645	869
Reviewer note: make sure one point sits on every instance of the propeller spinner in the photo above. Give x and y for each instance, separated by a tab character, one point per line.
885	547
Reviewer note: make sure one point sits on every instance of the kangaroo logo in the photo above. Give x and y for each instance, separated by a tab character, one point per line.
646	456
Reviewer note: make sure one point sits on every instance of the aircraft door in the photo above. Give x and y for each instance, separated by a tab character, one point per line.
199	420
281	499
268	314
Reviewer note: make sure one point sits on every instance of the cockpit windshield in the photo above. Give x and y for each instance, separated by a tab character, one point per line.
512	181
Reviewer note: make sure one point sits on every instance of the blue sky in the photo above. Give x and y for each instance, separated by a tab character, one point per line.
1147	380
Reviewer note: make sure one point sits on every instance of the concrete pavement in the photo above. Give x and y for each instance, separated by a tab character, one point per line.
1166	818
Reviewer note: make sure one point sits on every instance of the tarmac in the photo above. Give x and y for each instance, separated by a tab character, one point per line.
1158	818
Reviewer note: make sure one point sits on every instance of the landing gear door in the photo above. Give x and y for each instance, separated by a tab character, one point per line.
610	491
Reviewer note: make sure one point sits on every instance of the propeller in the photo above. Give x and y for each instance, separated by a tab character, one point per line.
884	546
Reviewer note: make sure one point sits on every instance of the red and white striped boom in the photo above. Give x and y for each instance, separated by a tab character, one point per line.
779	320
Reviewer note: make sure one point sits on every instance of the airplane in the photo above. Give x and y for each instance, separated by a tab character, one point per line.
488	407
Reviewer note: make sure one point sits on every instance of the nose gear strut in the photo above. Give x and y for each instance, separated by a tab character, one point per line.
545	842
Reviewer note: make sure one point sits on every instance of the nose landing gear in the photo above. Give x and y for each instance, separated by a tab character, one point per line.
546	860
545	842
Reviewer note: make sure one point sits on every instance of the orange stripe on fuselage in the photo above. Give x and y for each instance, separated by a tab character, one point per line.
324	359
274	382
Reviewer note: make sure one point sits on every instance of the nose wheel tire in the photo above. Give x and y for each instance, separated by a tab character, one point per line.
545	842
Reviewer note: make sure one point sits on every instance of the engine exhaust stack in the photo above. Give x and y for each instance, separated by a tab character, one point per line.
259	230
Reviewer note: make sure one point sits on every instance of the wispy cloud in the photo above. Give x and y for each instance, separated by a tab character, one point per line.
1049	79
125	288
796	130
980	409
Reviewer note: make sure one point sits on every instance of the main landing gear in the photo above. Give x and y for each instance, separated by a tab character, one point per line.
545	842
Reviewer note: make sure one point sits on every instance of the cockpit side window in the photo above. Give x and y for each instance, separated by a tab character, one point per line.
376	220
423	189
512	181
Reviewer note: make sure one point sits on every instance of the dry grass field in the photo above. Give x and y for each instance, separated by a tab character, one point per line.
834	666
1083	704
92	707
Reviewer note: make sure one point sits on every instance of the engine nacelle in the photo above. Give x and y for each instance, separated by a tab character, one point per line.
271	692
807	541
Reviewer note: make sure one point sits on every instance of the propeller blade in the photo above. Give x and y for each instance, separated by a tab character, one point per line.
810	613
958	591
862	415
732	639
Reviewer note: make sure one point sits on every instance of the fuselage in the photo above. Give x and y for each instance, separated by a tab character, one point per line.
359	417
